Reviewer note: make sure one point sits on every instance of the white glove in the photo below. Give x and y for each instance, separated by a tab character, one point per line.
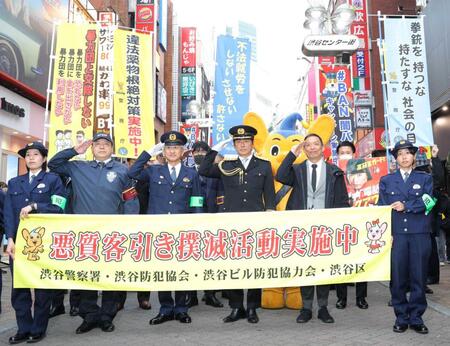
157	149
219	146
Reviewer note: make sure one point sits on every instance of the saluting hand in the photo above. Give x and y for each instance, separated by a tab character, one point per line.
297	149
81	148
434	151
11	248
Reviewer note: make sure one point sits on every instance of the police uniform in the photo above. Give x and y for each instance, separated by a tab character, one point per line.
38	194
245	190
168	197
97	188
411	245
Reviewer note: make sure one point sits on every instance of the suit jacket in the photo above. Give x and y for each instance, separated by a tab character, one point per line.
252	191
394	189
336	195
165	196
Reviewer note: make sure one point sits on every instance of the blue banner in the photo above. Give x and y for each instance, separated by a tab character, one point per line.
408	99
232	78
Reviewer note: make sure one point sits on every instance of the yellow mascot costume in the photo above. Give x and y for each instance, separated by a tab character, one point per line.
275	146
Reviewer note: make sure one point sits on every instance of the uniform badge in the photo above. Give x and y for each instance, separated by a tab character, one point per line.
111	176
186	180
416	186
240	131
172	137
41	186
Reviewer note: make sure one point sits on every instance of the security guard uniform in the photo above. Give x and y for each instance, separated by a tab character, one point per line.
96	189
411	245
38	193
168	197
245	190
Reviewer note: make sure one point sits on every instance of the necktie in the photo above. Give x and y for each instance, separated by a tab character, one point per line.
101	164
314	177
173	174
32	178
406	176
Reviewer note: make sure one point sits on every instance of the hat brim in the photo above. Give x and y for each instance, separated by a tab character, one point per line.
394	151
243	137
23	152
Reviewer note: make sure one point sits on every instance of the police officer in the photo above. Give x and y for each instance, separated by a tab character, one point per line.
404	191
97	188
172	188
34	192
248	186
212	191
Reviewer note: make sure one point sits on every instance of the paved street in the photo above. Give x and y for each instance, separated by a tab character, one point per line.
277	327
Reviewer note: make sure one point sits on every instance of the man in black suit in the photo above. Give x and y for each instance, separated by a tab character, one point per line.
248	186
316	185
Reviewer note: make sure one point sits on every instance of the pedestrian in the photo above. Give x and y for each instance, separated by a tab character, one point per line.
404	191
315	185
212	192
97	188
2	232
37	191
248	186
172	189
356	178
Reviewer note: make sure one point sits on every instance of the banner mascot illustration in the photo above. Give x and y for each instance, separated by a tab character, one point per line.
274	146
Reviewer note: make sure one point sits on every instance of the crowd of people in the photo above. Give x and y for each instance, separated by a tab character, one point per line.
239	183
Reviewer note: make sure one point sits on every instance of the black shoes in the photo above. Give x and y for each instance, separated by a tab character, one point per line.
361	303
18	338
252	317
399	328
35	338
419	328
56	310
305	316
74	311
325	316
211	300
107	326
341	303
183	317
160	318
85	327
428	290
236	314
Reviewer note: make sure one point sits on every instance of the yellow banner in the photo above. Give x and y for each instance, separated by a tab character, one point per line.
203	251
133	93
74	77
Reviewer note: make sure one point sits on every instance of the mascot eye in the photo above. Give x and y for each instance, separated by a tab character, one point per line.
275	150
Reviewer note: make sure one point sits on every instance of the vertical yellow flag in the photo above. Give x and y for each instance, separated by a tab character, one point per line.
133	93
74	75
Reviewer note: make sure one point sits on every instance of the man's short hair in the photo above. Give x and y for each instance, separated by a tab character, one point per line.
313	135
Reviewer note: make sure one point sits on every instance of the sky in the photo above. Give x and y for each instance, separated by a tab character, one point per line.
280	34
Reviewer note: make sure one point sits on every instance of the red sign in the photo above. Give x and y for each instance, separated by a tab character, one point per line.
188	47
359	28
191	132
374	140
145	18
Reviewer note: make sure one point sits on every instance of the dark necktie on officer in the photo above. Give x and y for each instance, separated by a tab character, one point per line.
314	176
405	176
173	174
32	178
101	164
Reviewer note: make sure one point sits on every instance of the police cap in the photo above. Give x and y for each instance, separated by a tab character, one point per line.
243	132
33	145
403	144
173	138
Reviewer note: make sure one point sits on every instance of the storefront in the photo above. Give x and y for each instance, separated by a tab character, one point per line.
21	121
